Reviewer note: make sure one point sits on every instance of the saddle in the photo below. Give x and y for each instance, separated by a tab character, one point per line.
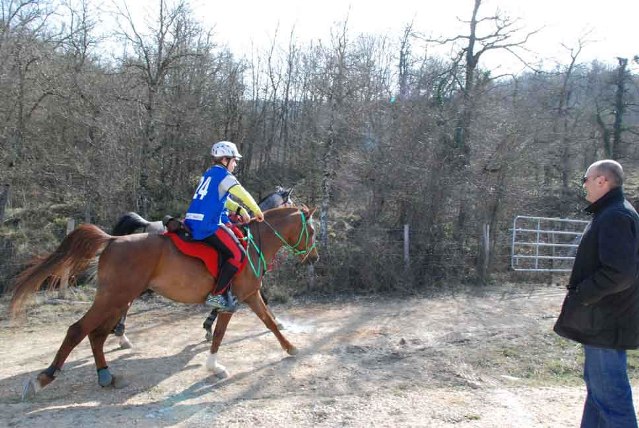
175	225
180	235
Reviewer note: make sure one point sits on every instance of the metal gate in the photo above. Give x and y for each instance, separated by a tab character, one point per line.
544	244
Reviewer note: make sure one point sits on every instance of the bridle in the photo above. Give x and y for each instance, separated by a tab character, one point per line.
304	233
305	238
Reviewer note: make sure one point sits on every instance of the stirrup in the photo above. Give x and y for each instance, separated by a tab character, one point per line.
221	303
231	299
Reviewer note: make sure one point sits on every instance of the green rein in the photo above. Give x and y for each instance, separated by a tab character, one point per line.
260	268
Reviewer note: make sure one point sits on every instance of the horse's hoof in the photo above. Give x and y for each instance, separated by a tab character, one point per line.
29	390
124	343
293	351
209	336
105	378
218	370
279	325
223	374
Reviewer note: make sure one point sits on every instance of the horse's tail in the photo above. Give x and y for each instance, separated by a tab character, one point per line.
72	256
129	223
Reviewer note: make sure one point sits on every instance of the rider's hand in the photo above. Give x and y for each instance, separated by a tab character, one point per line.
259	217
245	217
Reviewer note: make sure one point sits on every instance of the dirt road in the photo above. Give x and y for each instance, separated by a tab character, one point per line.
486	359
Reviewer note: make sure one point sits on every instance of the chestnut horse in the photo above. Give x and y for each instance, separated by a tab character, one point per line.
132	222
127	265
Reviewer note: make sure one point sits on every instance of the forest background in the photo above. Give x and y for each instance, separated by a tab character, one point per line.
373	129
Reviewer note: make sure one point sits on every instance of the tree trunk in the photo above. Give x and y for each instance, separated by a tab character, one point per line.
618	151
4	199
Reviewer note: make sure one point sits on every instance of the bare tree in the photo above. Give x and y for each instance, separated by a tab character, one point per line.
156	54
504	33
336	99
25	42
561	126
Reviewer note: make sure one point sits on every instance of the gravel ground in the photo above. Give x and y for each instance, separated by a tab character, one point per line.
484	358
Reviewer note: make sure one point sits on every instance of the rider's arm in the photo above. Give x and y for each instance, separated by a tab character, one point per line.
236	208
243	196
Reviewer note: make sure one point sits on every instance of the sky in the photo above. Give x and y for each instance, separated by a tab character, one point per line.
609	28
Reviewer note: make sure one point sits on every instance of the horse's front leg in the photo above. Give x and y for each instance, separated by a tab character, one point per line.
259	307
212	365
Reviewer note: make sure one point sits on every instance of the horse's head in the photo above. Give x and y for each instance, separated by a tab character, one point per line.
294	227
310	254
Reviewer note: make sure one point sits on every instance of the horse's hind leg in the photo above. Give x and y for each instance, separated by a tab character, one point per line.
257	305
75	334
97	338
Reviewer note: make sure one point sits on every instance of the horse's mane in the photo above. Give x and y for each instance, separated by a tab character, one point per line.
283	194
128	223
270	195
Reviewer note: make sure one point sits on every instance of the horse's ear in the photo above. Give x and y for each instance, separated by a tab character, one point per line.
311	212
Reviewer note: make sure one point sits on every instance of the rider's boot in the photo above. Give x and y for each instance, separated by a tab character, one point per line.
224	302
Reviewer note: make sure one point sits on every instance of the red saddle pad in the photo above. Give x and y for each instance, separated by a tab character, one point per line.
206	253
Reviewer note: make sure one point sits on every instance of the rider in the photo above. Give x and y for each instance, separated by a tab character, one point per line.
204	217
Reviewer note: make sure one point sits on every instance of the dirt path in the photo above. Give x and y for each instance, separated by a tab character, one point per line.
487	360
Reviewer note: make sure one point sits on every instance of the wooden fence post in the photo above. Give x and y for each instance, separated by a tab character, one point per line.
406	247
485	250
70	225
4	199
311	277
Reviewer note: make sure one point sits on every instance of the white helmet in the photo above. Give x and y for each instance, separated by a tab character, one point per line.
225	149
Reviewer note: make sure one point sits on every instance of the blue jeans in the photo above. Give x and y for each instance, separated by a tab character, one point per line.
609	400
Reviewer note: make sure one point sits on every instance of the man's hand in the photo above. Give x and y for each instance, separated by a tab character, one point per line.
245	217
259	217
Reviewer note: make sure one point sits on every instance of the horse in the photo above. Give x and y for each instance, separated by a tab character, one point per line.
128	265
132	222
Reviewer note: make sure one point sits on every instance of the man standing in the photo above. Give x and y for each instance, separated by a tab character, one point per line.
601	309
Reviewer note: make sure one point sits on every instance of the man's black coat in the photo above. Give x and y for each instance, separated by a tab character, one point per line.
602	305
